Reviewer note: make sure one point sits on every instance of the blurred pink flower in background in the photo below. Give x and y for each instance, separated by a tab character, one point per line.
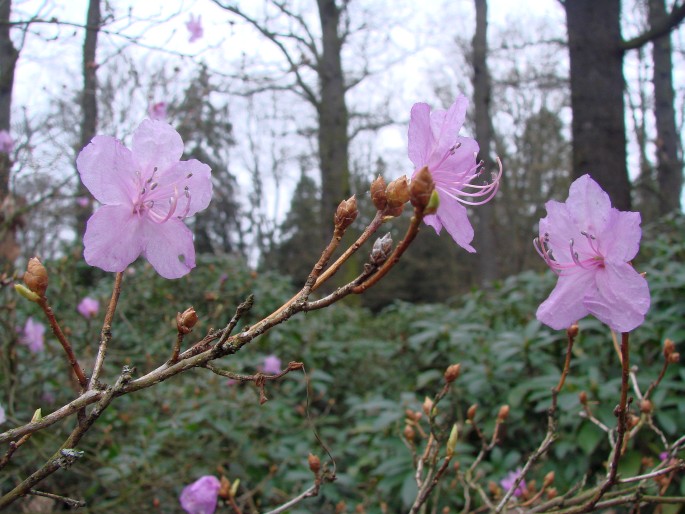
194	26
157	111
83	201
201	496
88	307
272	364
146	192
33	335
509	480
589	245
6	142
434	142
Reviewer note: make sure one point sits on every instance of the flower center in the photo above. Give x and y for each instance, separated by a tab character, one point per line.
592	259
161	202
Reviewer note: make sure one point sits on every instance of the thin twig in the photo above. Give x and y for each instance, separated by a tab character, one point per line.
106	333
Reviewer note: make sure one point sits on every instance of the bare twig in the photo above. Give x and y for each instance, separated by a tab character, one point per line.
106	333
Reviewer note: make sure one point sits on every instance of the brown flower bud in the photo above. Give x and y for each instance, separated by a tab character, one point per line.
494	489
314	463
186	321
503	414
552	493
378	196
427	406
471	413
224	488
421	188
409	433
669	348
582	396
340	507
382	248
548	480
632	421
346	213
452	373
573	330
674	358
397	194
646	406
36	277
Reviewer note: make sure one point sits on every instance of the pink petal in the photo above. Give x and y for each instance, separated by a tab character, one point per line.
565	306
199	184
459	167
621	299
113	238
621	238
432	220
588	205
169	248
156	144
454	218
445	126
420	135
108	170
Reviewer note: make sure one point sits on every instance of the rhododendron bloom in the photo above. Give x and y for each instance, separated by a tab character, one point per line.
33	335
589	244
146	192
201	496
6	142
434	141
88	307
157	111
272	364
508	481
194	26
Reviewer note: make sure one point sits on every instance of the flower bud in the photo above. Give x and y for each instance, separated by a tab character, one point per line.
503	414
421	188
552	493
471	413
646	406
378	196
494	489
225	488
186	321
674	358
452	373
37	416
669	348
632	421
409	433
382	248
427	406
548	480
26	292
314	463
582	397
346	213
36	277
452	440
397	193
573	330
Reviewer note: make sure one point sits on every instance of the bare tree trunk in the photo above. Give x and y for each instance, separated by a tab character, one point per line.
333	115
482	93
597	85
9	250
669	164
89	107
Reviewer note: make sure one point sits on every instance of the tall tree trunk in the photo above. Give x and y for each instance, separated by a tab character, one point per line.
89	107
669	163
597	85
9	250
482	96
333	116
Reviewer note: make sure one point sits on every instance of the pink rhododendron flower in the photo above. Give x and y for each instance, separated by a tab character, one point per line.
434	141
589	244
272	364
6	142
146	192
194	26
33	335
508	481
201	496
157	111
88	307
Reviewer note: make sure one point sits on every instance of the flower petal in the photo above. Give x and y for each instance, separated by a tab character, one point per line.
113	238
621	299
156	144
454	218
588	205
169	248
621	238
199	184
565	306
108	170
445	126
420	135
